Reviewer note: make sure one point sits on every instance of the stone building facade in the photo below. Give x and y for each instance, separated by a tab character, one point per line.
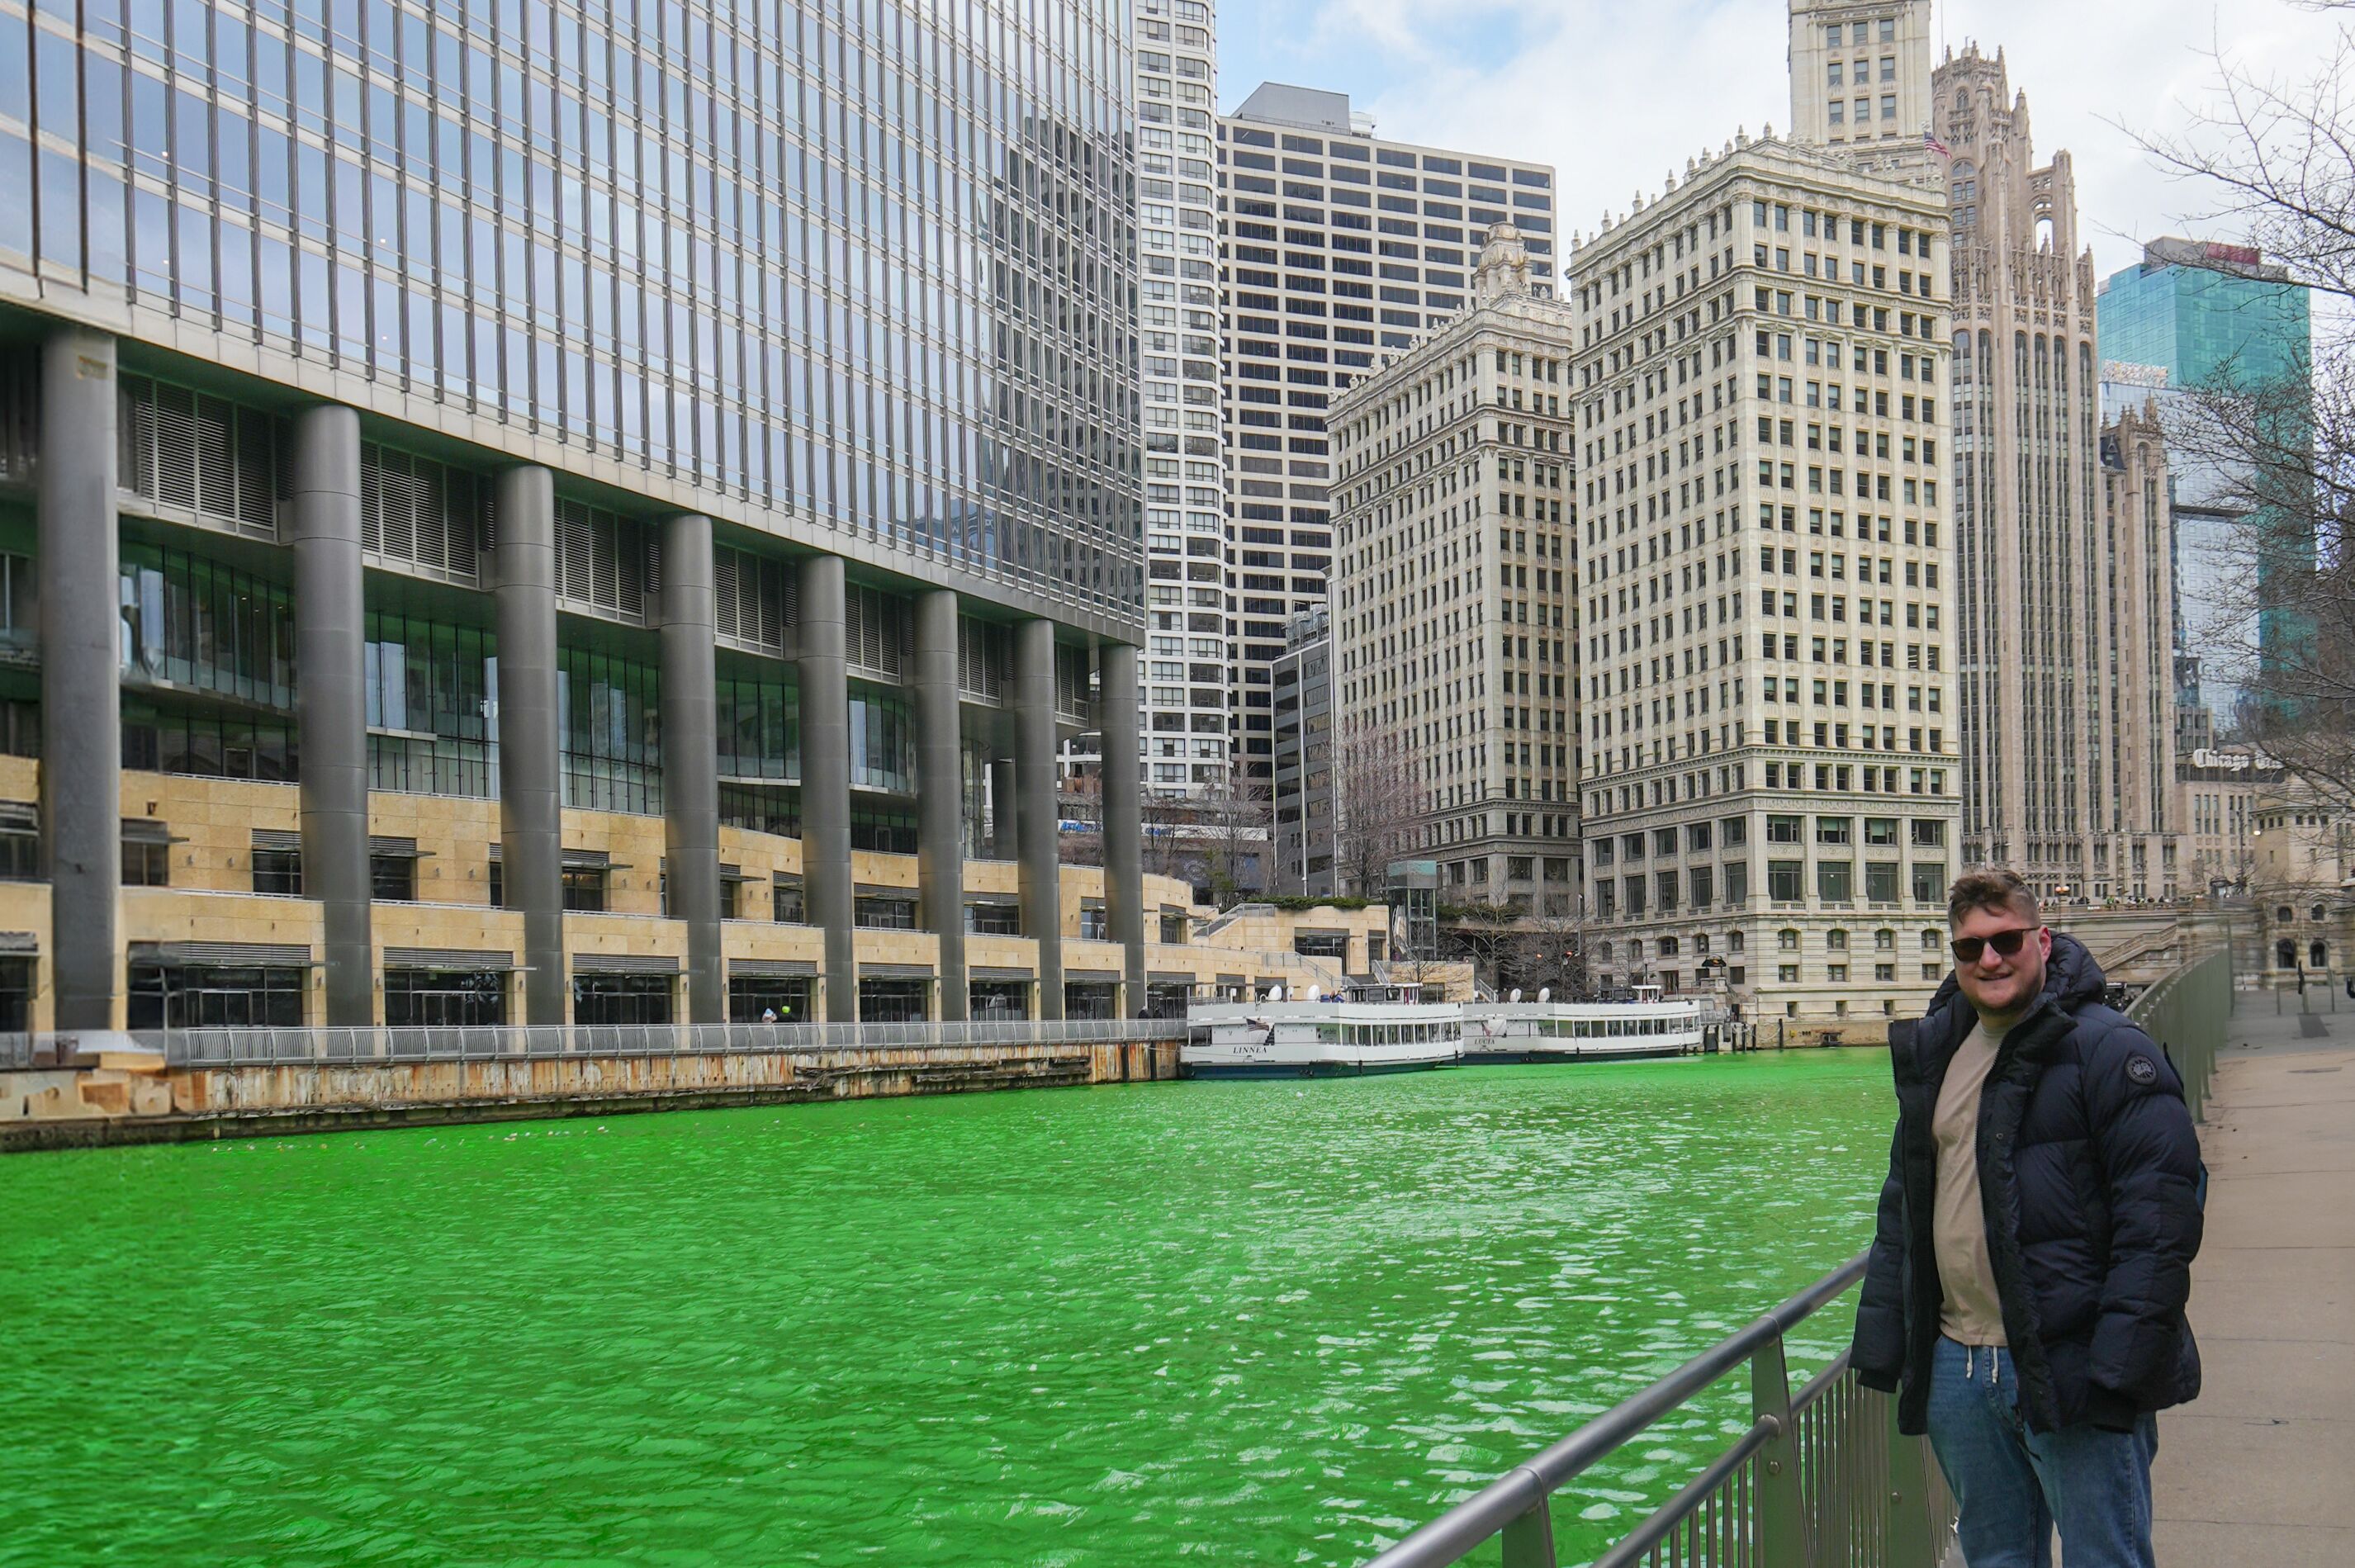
2064	608
1770	777
1860	79
1456	628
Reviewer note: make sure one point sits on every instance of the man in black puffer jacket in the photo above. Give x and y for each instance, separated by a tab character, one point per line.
2033	1252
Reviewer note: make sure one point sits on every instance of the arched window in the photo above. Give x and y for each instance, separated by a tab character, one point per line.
2318	957
1604	953
1700	944
2285	914
1884	941
1733	942
2319	912
1668	947
2284	954
1787	940
1836	941
1931	942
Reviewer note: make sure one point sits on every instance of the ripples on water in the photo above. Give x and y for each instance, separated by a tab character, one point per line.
1237	1322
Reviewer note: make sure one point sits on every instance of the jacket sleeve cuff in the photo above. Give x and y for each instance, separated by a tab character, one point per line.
1876	1378
2110	1410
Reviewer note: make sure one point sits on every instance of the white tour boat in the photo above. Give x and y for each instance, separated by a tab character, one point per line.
1370	1028
1547	1031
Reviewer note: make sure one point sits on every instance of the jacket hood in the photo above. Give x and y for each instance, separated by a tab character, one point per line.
2072	980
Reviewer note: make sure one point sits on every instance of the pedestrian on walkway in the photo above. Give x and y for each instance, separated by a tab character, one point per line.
2024	1299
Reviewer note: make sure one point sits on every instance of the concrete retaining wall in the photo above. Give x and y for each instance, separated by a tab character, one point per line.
65	1108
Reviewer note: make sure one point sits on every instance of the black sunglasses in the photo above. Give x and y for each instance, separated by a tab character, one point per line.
2006	942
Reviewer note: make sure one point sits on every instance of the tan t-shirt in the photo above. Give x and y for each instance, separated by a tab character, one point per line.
1971	1313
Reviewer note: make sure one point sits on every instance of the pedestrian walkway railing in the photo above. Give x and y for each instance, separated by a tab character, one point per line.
249	1047
2189	1012
1821	1478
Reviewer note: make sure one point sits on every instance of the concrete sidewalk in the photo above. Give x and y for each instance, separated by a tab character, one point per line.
2260	1470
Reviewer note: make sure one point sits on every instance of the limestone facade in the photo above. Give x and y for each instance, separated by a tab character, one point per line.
1764	402
1456	626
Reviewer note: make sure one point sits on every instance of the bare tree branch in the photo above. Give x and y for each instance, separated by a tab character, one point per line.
1375	804
2268	448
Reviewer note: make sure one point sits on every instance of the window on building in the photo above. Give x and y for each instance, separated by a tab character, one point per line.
278	871
884	912
211	996
785	904
621	998
146	862
20	842
584	891
392	878
444	996
768	998
893	1001
993	917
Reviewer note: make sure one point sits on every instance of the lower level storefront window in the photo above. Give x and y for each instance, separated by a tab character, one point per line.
212	995
444	996
621	998
1089	1000
769	998
997	1001
893	1001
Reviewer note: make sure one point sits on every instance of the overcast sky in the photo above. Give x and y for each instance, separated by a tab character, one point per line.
1614	94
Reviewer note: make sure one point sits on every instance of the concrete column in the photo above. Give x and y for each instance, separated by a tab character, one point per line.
690	758
825	779
531	755
1124	819
940	829
82	684
331	701
1005	834
1041	857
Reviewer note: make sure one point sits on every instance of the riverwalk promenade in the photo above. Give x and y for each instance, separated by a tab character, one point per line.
2257	1471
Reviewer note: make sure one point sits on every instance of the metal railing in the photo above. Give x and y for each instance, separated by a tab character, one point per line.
1227	917
2189	1012
259	1047
1820	1480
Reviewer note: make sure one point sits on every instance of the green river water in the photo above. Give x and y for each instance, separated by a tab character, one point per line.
1239	1323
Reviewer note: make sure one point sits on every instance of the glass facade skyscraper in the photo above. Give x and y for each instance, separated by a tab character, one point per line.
859	271
489	398
2193	316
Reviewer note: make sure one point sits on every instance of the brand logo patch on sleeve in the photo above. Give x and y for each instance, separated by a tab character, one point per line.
2142	1070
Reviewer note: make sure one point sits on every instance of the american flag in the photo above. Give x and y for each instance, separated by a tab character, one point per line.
1935	145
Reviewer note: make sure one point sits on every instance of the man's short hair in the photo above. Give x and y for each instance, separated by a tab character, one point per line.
1991	890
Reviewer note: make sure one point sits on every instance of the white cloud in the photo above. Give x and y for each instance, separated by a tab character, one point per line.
1615	94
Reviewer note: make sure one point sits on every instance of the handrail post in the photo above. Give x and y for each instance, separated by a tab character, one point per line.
1913	1543
1782	1502
1528	1539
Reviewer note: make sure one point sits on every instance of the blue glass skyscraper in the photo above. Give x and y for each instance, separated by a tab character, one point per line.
2194	317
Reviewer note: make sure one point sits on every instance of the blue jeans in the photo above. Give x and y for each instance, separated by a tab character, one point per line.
2014	1484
